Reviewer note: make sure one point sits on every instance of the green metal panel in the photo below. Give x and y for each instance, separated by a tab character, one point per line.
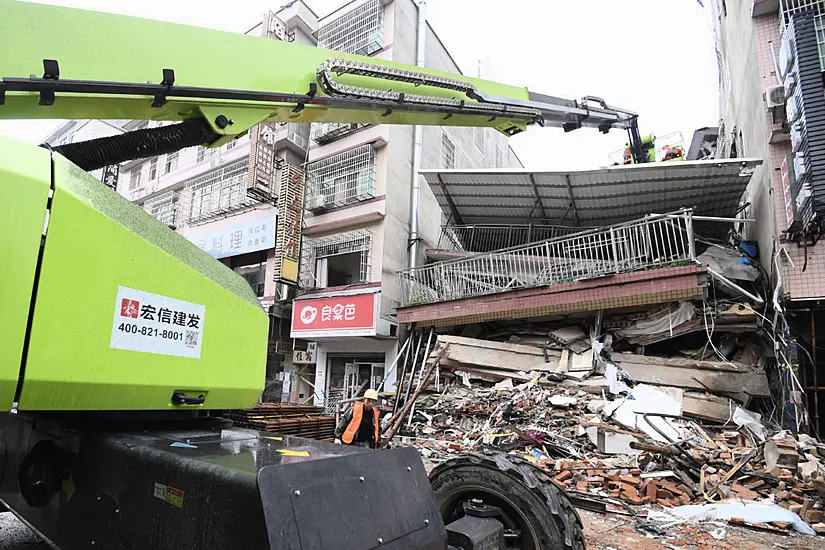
98	46
97	242
24	192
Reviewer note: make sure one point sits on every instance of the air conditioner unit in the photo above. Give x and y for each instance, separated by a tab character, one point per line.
775	97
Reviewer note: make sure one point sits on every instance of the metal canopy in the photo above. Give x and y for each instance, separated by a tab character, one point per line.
591	198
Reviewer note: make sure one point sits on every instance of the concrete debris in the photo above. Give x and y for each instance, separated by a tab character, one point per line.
673	432
597	456
650	408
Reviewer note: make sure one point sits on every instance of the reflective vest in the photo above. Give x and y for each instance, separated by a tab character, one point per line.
355	423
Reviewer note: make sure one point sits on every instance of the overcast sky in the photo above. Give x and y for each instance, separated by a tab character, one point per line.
649	56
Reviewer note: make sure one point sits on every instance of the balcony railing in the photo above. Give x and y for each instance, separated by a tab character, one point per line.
653	242
490	237
327	132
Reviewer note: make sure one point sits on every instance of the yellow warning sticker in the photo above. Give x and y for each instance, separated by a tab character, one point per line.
169	494
287	452
273	438
174	497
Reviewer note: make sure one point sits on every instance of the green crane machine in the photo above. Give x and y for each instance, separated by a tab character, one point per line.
119	336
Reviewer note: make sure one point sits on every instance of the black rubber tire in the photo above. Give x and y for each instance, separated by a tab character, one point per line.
546	517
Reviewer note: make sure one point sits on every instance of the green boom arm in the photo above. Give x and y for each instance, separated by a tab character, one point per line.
115	67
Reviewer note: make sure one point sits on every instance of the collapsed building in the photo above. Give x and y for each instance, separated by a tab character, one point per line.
612	327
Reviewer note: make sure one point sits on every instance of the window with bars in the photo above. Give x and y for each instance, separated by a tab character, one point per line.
231	144
360	31
337	260
164	207
326	132
205	153
153	169
134	178
447	151
219	190
342	179
479	139
171	162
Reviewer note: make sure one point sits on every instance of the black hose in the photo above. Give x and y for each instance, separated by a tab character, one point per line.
138	144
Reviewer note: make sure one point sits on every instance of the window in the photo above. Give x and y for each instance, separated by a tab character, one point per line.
171	162
218	191
337	260
499	161
205	153
164	207
231	144
342	179
447	151
153	169
360	31
134	177
479	140
252	267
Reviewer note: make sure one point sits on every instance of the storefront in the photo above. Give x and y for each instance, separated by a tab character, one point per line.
353	346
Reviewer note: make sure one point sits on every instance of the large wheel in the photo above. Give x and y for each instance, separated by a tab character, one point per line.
535	513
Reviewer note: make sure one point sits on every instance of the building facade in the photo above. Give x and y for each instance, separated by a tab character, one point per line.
357	219
343	334
771	60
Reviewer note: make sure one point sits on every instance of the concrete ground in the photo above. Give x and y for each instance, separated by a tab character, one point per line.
615	532
14	535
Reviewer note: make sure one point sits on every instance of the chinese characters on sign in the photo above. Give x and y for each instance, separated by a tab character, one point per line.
337	316
290	217
154	323
258	234
301	357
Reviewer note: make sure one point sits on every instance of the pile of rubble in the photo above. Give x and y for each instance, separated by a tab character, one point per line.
622	431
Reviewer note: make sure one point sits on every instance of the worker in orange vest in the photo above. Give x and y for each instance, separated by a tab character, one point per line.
360	425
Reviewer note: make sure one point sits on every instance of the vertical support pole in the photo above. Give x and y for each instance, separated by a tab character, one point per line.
615	251
814	369
691	241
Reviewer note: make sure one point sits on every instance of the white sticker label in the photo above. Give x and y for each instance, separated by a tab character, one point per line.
157	324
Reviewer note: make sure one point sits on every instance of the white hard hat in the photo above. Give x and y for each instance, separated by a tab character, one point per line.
371	394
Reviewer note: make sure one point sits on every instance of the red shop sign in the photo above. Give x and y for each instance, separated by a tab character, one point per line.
336	316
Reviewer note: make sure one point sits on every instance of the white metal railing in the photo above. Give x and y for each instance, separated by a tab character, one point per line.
653	242
491	237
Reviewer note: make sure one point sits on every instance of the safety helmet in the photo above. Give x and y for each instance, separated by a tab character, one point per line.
371	394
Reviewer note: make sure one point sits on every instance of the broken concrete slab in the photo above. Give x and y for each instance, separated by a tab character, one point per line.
710	376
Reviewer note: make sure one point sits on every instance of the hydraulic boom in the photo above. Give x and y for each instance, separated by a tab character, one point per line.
98	65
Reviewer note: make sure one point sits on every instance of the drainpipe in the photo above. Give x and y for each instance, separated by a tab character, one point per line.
415	196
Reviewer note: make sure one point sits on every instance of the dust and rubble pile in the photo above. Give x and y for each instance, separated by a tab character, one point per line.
619	427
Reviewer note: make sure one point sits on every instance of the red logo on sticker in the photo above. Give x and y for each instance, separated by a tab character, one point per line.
129	308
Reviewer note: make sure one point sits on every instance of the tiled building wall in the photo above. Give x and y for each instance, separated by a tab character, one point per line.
748	46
